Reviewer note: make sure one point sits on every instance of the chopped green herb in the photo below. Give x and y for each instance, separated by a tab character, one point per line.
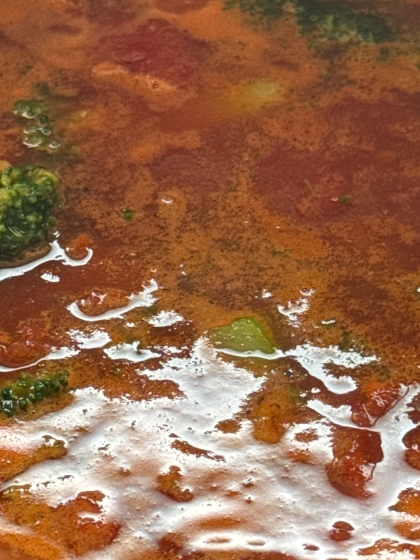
30	389
346	342
128	214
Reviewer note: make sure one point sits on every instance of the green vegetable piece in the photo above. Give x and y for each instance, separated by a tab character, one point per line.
338	22
242	335
29	108
27	198
39	133
33	140
8	407
54	144
43	120
128	214
23	404
62	380
30	389
345	199
6	394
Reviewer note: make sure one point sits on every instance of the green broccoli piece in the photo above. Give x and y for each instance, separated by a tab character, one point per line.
243	335
338	22
30	389
27	197
269	9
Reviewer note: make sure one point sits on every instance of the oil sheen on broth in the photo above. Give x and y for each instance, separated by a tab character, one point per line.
211	353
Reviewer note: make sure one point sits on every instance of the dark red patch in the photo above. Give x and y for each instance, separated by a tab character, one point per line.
180	167
30	345
376	405
356	453
341	531
412	441
370	166
157	49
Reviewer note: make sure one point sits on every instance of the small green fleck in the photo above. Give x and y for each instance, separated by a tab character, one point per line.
296	396
42	89
346	343
8	407
281	252
23	404
128	214
6	394
345	199
54	145
242	335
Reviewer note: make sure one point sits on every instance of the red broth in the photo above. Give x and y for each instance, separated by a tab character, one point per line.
256	159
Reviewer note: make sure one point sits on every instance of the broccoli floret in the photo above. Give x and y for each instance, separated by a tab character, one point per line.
30	389
338	22
270	9
27	197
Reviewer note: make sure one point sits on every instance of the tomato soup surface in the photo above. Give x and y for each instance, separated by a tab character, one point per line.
229	304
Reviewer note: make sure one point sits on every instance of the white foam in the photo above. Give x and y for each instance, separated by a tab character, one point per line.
313	359
87	341
56	253
165	319
48	277
130	352
297	307
279	504
141	299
